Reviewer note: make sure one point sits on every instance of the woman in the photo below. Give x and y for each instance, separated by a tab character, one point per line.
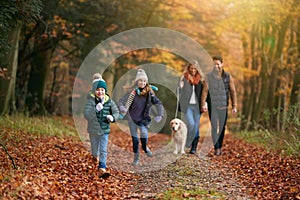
190	89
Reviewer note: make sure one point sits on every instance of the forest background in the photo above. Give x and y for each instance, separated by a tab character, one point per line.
43	44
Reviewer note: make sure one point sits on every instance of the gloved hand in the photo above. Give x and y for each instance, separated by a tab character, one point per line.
157	119
154	88
99	107
110	118
123	109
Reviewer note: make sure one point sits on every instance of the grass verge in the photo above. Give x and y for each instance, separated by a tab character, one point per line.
287	144
39	126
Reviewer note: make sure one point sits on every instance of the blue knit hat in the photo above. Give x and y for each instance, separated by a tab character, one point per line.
99	83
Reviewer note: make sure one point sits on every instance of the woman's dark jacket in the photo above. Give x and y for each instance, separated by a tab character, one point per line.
185	94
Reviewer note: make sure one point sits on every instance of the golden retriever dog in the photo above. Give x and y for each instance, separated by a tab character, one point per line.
179	134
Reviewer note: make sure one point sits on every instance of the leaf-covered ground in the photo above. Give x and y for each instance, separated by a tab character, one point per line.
62	168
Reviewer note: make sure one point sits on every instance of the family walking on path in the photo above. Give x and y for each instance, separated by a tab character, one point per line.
197	94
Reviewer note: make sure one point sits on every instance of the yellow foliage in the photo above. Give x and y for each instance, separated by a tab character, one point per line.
63	65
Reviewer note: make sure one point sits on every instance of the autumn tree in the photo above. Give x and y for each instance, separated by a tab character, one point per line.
14	14
66	32
37	46
269	38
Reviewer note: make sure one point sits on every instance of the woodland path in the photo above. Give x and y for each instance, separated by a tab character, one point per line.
61	168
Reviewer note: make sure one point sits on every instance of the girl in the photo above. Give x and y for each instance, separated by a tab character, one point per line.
136	108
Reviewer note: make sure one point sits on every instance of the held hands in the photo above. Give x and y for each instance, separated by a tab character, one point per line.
157	119
110	118
99	107
204	108
234	110
123	109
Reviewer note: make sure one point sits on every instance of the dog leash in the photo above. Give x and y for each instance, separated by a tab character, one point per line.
177	94
177	102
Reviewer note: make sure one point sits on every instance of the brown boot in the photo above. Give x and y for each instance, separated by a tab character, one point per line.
94	159
103	173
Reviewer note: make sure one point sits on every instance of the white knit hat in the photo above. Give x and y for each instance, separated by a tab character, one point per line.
141	74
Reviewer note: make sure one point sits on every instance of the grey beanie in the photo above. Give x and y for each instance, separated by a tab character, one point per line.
141	74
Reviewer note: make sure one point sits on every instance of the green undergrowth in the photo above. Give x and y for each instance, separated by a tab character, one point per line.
39	125
181	193
287	144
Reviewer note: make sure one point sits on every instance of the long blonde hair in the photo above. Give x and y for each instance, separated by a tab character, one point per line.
146	90
199	77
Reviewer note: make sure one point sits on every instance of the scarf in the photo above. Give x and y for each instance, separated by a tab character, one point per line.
194	80
143	92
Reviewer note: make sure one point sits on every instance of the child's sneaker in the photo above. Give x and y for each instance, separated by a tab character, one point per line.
103	173
149	153
136	159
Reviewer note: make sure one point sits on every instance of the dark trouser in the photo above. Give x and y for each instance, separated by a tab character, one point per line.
135	144
135	137
218	120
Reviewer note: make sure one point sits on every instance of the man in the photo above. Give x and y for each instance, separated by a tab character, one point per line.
218	88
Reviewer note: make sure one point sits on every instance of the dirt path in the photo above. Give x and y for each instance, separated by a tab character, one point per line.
243	171
190	173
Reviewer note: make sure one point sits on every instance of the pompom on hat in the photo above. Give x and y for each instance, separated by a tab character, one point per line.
141	74
97	76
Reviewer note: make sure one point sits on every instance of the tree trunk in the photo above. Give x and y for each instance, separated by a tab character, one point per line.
274	74
278	59
7	85
262	81
295	94
40	67
109	77
247	97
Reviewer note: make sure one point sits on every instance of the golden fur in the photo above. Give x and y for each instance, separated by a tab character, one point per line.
179	134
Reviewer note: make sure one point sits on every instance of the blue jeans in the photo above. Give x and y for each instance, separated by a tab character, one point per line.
99	145
135	136
192	118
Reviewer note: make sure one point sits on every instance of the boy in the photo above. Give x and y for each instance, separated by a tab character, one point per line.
100	110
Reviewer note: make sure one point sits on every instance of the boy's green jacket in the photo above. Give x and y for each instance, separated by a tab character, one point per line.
97	121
